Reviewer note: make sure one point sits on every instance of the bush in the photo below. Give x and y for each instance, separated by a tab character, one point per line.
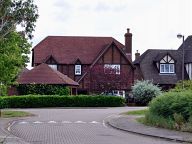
173	102
175	108
3	90
33	101
179	86
43	89
144	92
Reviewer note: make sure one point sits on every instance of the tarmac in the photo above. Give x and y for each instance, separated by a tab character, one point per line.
130	124
125	123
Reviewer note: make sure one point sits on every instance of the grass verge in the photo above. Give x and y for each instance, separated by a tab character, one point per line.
136	112
10	114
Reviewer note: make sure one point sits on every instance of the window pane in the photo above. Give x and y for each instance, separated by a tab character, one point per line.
167	68
172	68
77	69
162	68
111	69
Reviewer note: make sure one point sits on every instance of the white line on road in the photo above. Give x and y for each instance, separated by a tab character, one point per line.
79	122
66	122
37	122
52	122
94	122
23	122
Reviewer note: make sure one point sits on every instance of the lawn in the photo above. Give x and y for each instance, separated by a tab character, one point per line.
136	112
10	114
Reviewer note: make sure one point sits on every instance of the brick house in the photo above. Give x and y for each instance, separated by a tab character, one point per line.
76	57
164	67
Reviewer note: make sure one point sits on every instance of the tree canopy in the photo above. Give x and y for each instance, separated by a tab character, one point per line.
14	13
14	45
13	56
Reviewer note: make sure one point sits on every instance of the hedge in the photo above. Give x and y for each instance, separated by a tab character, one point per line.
35	101
42	89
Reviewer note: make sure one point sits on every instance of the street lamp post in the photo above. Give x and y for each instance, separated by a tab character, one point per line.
183	56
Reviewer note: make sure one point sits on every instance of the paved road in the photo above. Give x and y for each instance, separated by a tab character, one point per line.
76	126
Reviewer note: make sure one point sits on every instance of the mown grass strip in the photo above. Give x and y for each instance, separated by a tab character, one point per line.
10	114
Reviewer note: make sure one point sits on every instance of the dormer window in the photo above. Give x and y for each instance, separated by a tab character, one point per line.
167	65
78	69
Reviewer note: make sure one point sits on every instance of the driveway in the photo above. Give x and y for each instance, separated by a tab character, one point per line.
76	126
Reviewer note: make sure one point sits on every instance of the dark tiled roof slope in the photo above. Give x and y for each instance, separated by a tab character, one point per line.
43	74
188	49
149	68
67	49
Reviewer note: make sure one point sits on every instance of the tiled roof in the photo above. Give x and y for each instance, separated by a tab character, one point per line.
149	68
43	74
67	49
188	49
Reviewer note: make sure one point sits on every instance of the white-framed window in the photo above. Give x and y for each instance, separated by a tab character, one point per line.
112	68
77	69
167	68
53	66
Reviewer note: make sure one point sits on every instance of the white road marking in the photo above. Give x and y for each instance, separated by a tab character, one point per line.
94	122
66	122
79	122
37	122
23	122
52	122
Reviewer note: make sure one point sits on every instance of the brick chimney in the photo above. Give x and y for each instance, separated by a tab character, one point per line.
128	44
137	55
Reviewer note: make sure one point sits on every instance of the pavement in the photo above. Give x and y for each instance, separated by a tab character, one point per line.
130	124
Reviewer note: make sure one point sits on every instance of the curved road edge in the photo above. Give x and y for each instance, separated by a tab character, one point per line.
129	124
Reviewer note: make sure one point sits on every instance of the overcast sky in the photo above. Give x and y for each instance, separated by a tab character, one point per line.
153	23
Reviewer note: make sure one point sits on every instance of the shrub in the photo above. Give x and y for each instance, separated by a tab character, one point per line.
173	102
3	90
144	92
32	101
171	110
43	89
179	86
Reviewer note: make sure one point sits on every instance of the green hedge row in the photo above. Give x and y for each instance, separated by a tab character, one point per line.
33	101
42	89
172	103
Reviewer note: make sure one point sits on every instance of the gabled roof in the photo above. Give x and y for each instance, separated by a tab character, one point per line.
102	52
160	56
149	68
188	49
67	49
43	74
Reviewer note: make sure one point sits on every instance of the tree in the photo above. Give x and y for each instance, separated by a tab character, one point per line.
17	12
13	56
108	79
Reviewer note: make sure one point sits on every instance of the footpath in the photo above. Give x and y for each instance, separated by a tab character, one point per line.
130	124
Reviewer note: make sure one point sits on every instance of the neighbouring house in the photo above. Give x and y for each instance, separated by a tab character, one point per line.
164	67
95	63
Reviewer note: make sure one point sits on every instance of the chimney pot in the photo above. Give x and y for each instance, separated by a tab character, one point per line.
137	55
128	30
